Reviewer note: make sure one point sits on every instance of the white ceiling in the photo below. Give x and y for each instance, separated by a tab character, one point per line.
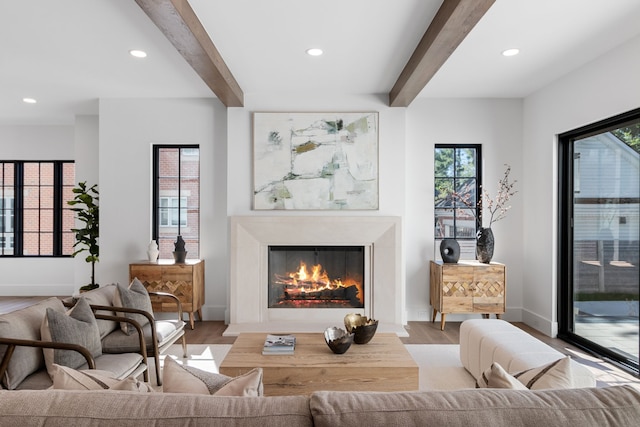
69	53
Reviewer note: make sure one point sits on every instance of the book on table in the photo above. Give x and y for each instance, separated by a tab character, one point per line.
279	344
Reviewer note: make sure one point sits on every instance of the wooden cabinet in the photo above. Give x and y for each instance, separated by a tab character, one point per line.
186	281
467	287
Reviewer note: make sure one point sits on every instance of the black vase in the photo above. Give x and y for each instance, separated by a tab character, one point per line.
179	253
484	245
450	251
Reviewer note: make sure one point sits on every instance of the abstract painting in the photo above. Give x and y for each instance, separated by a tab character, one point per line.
315	161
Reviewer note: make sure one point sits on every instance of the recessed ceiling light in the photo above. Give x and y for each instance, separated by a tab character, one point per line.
510	52
29	100
138	53
314	51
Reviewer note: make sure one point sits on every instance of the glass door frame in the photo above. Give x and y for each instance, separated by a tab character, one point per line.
565	271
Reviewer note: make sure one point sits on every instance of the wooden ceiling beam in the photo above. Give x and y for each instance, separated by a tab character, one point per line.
453	21
179	23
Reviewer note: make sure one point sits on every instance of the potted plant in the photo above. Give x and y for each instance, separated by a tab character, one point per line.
88	212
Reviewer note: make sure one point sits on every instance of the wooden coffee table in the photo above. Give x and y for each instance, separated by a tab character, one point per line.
383	364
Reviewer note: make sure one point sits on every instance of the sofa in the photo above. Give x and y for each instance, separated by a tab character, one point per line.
612	406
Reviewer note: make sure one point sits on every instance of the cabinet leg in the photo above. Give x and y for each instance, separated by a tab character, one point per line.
498	316
191	320
485	315
442	320
433	318
199	314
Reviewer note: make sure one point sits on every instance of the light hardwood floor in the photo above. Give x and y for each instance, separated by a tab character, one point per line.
210	332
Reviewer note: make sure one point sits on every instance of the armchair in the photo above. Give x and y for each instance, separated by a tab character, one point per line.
22	361
157	334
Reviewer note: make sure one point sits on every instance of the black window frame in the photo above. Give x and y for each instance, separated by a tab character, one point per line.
19	210
155	217
456	204
565	237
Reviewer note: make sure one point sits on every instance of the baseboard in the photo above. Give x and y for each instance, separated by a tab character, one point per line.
213	312
545	326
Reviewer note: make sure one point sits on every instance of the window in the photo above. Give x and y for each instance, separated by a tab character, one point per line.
35	219
173	211
457	170
176	195
599	238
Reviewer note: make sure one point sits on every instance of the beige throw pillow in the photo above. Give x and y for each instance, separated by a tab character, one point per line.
65	378
76	326
177	378
496	377
556	375
135	296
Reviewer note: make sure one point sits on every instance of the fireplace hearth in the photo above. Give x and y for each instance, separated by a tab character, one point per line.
316	277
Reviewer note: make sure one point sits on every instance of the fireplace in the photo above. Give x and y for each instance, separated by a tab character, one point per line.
316	277
377	240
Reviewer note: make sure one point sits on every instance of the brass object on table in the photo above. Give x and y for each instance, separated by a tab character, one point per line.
363	328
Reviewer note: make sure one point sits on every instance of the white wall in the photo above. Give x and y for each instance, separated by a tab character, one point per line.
497	125
86	143
36	276
128	130
391	148
603	88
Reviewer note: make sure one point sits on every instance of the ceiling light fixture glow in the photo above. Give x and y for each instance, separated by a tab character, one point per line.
138	53
29	100
510	52
314	51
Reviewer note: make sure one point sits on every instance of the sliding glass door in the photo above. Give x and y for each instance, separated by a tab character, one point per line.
600	238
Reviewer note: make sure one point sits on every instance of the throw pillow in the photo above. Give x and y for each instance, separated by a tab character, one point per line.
135	296
556	375
496	377
177	378
65	378
76	326
25	324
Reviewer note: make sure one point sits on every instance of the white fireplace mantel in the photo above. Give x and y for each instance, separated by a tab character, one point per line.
251	237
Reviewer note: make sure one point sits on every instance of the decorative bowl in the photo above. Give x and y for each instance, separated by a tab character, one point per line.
363	329
338	339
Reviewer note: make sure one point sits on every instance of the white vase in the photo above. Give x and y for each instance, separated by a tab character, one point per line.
152	251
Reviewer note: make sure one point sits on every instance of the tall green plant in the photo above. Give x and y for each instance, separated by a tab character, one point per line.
88	212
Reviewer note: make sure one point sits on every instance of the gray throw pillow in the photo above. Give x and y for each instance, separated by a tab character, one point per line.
136	296
25	324
77	326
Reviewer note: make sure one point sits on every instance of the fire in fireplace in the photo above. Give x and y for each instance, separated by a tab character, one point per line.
316	277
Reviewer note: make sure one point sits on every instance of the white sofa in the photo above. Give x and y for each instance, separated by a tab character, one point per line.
484	341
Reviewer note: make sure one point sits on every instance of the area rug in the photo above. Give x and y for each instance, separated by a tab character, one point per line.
440	365
202	356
